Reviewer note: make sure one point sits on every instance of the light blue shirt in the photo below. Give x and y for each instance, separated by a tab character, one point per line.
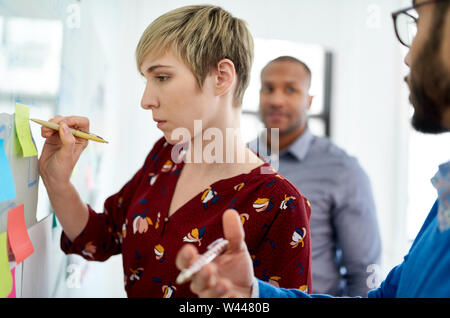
345	237
441	181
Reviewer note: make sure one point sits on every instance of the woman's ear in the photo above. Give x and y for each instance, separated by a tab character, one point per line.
225	78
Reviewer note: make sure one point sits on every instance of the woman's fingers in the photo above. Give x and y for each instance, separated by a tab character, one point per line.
75	122
47	132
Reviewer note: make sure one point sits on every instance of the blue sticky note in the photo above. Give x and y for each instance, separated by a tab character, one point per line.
7	187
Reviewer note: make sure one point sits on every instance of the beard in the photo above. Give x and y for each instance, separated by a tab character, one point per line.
294	122
430	95
428	107
430	85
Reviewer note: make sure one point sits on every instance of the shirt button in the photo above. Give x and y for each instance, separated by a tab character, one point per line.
166	219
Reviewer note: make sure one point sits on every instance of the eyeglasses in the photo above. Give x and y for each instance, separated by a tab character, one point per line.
405	22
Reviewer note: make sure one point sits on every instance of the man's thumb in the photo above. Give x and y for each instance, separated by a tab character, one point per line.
233	230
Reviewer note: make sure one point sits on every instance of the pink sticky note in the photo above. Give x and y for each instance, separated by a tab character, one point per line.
18	234
13	291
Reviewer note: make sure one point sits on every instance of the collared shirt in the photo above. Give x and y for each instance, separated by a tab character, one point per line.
441	181
345	237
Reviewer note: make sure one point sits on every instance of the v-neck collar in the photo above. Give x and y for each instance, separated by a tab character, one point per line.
220	186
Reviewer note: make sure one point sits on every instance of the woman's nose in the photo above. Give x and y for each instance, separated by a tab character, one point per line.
149	99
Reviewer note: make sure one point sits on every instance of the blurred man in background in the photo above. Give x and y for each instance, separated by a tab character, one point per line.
344	231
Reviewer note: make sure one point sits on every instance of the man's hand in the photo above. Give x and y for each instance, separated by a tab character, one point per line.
230	274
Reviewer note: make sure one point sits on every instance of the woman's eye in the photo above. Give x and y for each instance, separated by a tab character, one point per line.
162	78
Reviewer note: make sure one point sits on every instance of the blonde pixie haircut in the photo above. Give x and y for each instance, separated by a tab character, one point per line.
201	35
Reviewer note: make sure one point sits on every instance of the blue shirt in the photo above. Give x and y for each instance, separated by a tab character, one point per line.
345	237
425	271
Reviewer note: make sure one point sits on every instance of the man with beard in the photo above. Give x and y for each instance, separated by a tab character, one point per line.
345	238
424	270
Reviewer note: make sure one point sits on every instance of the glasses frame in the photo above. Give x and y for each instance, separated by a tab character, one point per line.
405	11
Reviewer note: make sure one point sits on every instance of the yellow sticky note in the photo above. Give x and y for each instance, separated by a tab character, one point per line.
21	120
6	281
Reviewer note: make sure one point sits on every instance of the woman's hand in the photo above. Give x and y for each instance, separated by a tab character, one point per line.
61	150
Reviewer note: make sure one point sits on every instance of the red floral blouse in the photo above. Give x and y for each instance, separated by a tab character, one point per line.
135	223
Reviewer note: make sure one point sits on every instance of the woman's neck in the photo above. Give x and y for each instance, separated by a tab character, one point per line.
221	148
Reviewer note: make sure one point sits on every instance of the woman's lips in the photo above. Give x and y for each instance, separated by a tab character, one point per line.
160	123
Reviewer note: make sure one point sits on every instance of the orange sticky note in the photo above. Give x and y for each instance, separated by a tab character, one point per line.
18	234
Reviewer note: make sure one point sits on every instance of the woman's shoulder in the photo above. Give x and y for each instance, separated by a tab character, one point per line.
272	181
273	190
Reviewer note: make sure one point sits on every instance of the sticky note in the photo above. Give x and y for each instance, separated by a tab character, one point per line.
18	234
23	131
5	273
12	294
7	186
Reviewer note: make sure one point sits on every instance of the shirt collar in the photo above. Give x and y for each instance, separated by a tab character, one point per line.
442	176
300	147
445	170
441	181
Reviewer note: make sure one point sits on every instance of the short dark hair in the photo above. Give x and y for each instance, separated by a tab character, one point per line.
288	58
439	14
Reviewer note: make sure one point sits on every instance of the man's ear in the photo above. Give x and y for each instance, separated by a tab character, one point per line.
225	77
310	100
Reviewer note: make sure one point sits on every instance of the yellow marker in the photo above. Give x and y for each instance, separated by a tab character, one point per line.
76	133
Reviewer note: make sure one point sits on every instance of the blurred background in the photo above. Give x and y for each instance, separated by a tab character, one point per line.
73	57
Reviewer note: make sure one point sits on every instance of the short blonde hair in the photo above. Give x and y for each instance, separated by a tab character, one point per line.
201	35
